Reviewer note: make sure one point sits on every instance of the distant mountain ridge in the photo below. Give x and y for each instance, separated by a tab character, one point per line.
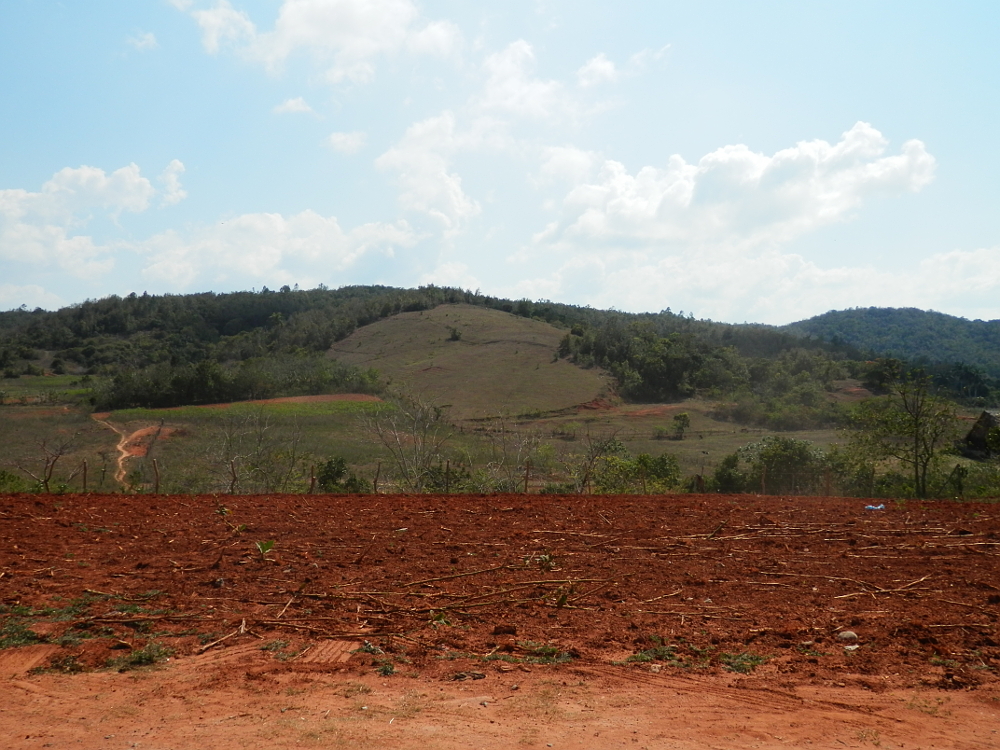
910	333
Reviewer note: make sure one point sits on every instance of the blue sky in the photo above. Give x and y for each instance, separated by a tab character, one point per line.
741	161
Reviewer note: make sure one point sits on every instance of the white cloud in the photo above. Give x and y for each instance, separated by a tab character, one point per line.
296	105
171	180
597	70
735	195
40	228
421	161
710	236
438	39
266	248
143	41
29	295
453	274
567	163
223	23
512	87
343	36
347	143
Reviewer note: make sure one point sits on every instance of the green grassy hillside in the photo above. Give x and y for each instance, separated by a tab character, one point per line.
480	362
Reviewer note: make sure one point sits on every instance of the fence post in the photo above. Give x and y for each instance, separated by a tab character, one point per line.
378	470
447	477
156	474
312	478
527	474
85	476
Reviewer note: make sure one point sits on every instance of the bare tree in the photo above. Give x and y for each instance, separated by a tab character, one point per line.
413	433
254	455
50	455
510	451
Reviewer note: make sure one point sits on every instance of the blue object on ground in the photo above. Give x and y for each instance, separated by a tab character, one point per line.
875	507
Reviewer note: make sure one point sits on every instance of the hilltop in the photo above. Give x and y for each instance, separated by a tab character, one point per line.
911	334
476	361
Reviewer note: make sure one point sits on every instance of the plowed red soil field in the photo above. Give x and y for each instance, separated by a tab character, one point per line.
688	621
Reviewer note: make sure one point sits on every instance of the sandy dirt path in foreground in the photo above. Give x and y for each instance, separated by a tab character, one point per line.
189	705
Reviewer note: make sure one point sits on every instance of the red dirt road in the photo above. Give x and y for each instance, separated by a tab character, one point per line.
620	620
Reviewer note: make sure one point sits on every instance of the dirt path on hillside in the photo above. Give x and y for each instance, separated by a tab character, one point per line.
687	621
133	444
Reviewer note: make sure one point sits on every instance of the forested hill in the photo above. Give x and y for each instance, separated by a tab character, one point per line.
911	334
148	350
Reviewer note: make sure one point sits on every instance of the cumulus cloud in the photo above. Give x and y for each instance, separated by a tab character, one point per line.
171	180
512	87
736	195
268	248
421	161
295	106
41	228
143	41
347	143
343	36
597	70
711	235
223	23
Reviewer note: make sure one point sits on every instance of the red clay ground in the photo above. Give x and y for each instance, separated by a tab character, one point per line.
407	621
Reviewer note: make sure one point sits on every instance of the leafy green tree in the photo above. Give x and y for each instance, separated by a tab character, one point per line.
681	422
909	425
620	473
333	476
780	464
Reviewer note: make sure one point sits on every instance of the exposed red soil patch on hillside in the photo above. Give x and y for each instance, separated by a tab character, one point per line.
468	585
324	398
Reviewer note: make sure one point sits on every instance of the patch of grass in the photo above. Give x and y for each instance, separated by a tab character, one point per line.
542	653
150	654
15	632
744	663
660	651
285	409
276	645
66	664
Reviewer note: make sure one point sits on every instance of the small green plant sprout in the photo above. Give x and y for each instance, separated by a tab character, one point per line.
264	547
386	668
545	560
367	647
223	511
744	663
439	618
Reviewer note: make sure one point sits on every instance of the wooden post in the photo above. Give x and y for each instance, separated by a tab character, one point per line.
312	478
85	475
763	480
527	474
378	470
156	474
232	471
447	477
